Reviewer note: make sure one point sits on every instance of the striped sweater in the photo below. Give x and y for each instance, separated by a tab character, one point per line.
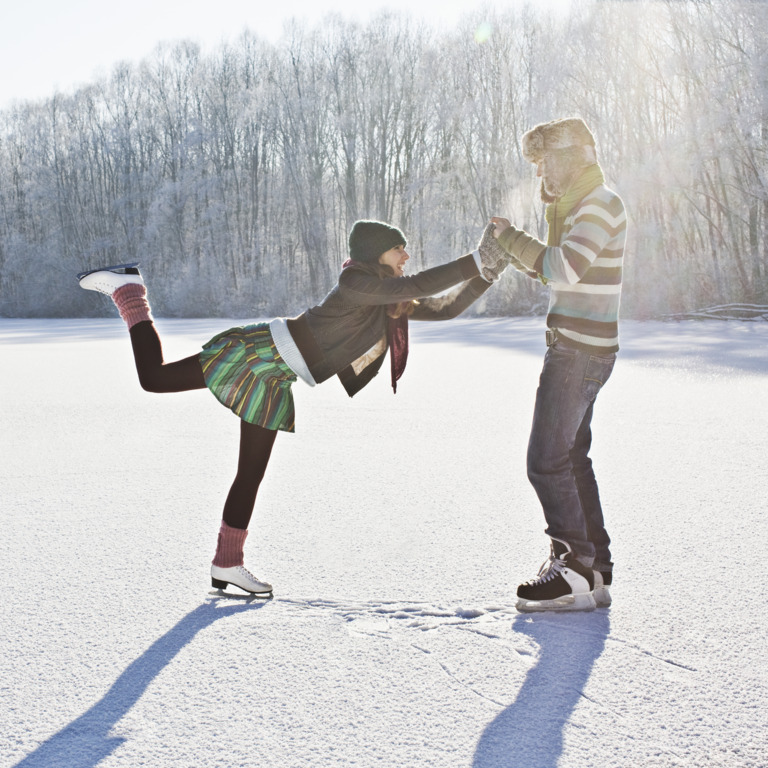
584	271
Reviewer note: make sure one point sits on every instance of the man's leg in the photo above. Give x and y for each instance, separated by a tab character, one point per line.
589	494
561	473
561	406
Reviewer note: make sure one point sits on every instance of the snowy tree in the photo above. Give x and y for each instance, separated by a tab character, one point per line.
234	177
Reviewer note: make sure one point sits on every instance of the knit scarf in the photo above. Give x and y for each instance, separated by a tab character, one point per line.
557	212
397	335
397	339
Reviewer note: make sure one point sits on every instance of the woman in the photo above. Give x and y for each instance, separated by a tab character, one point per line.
251	369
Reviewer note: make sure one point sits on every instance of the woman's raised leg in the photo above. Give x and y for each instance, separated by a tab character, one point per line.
125	286
155	375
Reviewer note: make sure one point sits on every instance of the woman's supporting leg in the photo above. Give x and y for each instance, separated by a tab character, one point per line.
229	547
227	566
255	449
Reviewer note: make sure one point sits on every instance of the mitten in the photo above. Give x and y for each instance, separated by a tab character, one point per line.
492	274
493	258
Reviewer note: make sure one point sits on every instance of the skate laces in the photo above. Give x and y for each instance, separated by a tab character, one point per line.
550	568
247	573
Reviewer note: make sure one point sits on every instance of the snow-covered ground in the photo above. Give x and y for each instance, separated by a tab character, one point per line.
395	530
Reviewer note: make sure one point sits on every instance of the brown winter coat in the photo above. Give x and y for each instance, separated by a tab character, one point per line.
352	318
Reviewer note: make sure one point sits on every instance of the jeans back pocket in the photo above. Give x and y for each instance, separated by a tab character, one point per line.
597	372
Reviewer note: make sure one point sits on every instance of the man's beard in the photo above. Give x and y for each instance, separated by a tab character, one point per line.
545	196
554	189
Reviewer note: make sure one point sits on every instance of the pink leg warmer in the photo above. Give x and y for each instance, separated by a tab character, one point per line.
229	551
131	302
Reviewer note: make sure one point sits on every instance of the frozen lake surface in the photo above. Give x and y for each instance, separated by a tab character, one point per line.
395	530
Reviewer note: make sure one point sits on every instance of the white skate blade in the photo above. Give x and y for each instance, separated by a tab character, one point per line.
121	269
580	602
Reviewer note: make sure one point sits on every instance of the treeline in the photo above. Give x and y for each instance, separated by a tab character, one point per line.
234	177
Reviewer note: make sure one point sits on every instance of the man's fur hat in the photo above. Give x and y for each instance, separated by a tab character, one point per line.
558	134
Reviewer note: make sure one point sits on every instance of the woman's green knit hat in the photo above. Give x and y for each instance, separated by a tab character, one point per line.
369	239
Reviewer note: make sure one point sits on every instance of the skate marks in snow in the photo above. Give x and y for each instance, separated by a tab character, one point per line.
88	740
545	621
474	649
532	672
414	615
388	618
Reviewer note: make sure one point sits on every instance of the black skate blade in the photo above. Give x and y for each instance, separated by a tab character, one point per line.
222	585
247	597
121	269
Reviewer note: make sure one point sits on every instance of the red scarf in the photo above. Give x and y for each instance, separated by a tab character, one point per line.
397	335
397	339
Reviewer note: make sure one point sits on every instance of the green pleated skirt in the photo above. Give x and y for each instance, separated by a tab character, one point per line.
245	372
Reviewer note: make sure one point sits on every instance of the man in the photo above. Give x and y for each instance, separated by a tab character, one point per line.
582	263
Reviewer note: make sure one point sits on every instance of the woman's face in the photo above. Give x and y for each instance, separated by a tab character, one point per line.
395	258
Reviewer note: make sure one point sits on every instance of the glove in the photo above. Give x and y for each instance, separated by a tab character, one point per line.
524	248
492	257
518	265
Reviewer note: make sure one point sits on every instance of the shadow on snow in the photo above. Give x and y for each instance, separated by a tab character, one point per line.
86	741
529	733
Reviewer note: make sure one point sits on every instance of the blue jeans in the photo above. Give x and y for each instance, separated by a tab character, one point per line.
559	466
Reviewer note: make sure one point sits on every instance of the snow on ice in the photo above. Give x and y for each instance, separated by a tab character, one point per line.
395	530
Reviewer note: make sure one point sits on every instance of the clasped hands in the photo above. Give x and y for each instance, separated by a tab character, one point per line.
493	257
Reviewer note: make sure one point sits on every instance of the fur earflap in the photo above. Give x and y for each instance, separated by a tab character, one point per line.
557	134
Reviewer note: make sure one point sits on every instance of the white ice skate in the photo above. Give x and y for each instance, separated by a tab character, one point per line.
239	576
562	584
108	279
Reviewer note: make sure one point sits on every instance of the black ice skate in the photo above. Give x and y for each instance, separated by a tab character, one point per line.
602	590
562	584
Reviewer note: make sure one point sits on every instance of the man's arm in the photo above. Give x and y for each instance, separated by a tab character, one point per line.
595	224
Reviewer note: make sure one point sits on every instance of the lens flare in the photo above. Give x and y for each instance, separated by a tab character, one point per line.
483	32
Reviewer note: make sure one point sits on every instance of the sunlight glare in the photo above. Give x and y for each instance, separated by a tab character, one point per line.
483	32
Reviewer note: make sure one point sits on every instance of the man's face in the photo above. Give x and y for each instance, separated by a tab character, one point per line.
554	174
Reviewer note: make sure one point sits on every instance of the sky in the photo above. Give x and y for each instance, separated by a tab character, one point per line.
48	45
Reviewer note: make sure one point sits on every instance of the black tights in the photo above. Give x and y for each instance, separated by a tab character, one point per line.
255	442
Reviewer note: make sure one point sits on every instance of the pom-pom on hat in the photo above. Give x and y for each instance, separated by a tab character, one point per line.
557	134
369	239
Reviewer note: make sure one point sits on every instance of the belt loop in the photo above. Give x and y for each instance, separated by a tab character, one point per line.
551	336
